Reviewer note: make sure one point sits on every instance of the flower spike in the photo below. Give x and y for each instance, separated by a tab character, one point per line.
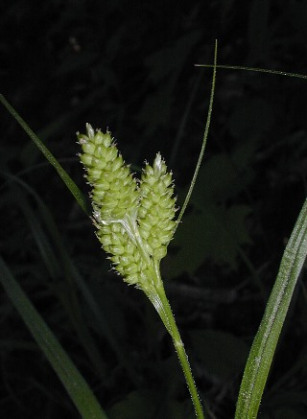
157	208
135	222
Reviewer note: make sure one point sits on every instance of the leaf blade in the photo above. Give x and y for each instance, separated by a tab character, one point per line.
77	388
265	342
73	188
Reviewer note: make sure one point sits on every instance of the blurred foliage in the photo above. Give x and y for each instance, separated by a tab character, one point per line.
129	66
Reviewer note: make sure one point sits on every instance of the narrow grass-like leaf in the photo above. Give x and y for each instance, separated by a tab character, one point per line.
45	247
255	69
78	195
202	150
66	289
72	272
264	345
76	386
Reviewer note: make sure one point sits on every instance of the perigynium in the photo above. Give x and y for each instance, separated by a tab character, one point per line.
134	218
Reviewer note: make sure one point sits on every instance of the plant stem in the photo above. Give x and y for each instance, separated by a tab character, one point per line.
203	147
162	305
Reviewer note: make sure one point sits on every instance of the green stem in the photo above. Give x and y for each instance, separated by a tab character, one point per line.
203	147
162	305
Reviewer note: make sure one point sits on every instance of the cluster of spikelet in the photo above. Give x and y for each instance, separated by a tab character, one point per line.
134	219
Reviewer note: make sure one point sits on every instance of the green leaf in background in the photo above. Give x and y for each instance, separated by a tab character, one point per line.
224	176
145	405
215	232
79	391
222	354
135	405
164	64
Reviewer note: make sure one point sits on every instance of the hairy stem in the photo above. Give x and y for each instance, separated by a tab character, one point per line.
162	305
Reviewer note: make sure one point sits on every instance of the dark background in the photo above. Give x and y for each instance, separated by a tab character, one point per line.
129	66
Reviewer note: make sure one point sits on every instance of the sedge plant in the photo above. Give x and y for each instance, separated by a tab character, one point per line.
135	222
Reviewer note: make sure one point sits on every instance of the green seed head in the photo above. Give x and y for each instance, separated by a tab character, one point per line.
135	223
124	253
114	191
157	208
